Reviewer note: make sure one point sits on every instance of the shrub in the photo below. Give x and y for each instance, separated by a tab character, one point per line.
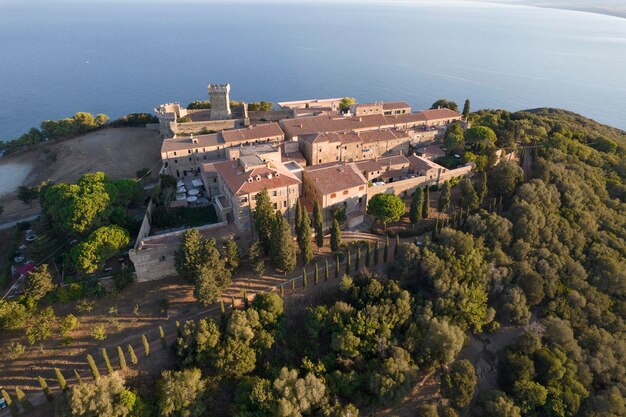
123	279
99	332
14	350
163	339
85	306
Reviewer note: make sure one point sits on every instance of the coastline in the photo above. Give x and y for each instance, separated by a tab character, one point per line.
605	11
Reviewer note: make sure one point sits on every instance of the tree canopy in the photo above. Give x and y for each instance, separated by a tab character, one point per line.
385	208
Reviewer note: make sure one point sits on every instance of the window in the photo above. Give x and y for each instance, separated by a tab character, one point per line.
345	147
175	161
204	156
336	158
196	150
188	150
337	148
215	180
333	195
189	159
320	161
162	258
174	153
361	188
275	205
166	163
345	192
285	203
274	193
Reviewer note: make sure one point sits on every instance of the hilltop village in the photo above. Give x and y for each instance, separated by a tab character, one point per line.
336	153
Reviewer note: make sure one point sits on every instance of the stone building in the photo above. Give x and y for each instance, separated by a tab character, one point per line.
322	148
387	109
387	169
336	186
184	155
427	119
241	180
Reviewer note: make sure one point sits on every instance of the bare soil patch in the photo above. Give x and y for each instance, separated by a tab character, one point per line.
119	152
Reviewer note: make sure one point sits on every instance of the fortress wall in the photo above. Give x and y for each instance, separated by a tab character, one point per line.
271	115
410	184
198	127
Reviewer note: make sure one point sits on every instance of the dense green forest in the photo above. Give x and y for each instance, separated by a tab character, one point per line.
545	254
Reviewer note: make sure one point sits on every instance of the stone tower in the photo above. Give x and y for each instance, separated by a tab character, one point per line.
219	94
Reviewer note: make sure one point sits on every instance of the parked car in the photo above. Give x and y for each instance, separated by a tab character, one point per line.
18	258
22	247
3	403
108	269
31	238
29	232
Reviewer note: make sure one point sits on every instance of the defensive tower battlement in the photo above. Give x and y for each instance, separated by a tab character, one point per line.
219	95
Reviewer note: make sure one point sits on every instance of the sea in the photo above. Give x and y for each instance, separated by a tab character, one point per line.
112	57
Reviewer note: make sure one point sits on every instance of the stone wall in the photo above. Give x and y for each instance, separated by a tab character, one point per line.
205	126
153	257
270	115
410	185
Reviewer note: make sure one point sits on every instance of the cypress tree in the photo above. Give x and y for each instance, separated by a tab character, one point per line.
298	220
162	337
434	233
481	186
78	377
61	379
21	397
107	362
426	204
233	303
335	236
396	247
94	369
316	277
121	357
376	253
146	345
246	303
304	239
282	290
348	262
466	109
12	406
386	250
318	224
284	249
45	388
263	218
326	270
304	281
337	266
357	261
415	212
444	198
222	308
368	253
179	330
131	353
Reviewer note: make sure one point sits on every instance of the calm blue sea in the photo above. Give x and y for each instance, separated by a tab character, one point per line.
58	58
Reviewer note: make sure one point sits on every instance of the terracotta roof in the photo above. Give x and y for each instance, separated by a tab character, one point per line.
316	124
380	164
431	151
333	178
187	142
367	136
419	163
256	132
396	105
272	175
393	173
438	114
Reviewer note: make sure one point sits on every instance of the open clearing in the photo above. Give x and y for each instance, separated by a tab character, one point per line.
119	152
